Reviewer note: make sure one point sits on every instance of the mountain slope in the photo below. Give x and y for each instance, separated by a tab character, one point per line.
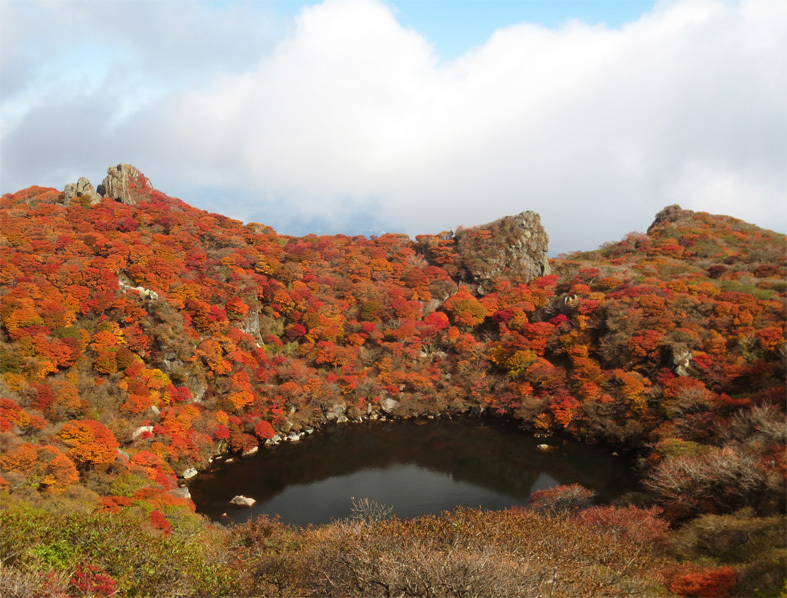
141	339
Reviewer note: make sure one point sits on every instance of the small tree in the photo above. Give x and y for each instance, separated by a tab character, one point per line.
561	499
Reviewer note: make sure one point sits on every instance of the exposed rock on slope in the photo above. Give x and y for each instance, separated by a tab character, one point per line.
513	247
123	183
670	215
126	184
82	188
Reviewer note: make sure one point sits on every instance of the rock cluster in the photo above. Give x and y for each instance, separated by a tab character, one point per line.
514	247
82	188
336	413
123	183
681	356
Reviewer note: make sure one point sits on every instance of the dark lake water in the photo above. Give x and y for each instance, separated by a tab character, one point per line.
416	467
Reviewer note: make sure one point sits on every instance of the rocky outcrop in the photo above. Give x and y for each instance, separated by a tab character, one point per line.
670	215
140	431
514	247
251	324
146	293
123	183
125	284
126	184
81	190
389	405
680	357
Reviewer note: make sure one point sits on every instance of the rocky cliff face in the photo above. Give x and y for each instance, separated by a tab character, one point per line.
514	247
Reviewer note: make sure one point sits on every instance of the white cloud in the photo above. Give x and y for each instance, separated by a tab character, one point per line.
350	122
699	186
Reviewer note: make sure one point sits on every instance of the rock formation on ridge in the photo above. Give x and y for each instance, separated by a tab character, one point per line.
126	184
514	247
669	215
83	187
123	183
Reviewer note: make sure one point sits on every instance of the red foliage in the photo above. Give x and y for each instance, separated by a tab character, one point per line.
159	521
90	442
691	581
559	499
545	281
179	394
264	430
641	527
43	397
114	504
91	581
221	432
564	408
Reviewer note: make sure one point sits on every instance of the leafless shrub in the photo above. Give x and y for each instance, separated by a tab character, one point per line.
23	584
728	478
471	553
369	511
765	425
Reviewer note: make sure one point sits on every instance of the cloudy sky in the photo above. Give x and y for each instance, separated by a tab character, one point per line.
365	116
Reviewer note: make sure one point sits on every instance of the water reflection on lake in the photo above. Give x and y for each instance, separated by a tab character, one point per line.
417	467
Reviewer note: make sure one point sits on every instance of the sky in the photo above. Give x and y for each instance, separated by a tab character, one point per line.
402	116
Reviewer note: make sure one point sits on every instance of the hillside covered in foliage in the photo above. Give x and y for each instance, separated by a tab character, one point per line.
141	339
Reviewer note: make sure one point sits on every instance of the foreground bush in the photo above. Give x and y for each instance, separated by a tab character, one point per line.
106	551
754	547
461	553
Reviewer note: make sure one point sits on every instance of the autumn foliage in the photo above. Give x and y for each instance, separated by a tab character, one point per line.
89	442
139	341
695	582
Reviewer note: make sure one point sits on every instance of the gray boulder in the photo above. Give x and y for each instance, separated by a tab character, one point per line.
389	405
242	501
189	473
